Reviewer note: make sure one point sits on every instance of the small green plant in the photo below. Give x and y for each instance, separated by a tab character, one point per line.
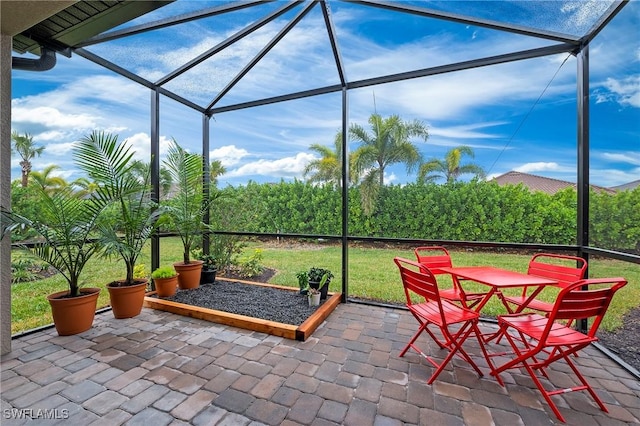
22	271
140	271
324	279
163	272
303	279
316	274
251	266
209	260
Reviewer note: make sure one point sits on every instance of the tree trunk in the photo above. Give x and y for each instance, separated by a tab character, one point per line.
26	168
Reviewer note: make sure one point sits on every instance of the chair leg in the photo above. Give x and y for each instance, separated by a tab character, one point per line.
584	382
487	356
423	327
545	394
455	348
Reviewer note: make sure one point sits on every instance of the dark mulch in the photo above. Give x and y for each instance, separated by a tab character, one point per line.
272	304
625	341
264	277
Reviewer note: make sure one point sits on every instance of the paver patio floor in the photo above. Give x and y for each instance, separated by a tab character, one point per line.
160	368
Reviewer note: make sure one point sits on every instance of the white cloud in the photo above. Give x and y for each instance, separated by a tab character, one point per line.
283	167
60	149
622	157
228	155
390	178
141	144
51	135
467	131
626	91
538	167
612	177
26	113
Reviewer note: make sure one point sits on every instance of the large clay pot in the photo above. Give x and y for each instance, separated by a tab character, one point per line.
73	315
166	287
189	274
126	300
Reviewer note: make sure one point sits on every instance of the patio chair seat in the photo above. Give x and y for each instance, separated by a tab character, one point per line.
539	341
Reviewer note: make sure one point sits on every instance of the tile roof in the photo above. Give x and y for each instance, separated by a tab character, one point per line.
627	186
540	183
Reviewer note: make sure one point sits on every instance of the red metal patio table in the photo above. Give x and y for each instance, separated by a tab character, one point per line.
498	279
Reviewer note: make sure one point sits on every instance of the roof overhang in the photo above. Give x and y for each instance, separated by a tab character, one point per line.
59	25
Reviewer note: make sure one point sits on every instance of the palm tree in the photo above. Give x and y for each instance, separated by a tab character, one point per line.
47	181
86	187
187	208
450	168
23	145
142	171
216	169
328	168
387	144
109	163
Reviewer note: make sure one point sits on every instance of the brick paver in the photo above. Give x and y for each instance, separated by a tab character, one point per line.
162	369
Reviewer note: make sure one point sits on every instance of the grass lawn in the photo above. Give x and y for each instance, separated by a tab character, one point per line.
372	275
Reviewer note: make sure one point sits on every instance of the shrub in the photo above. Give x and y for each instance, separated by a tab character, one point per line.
163	272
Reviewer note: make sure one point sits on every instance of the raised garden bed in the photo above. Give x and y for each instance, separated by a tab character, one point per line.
277	310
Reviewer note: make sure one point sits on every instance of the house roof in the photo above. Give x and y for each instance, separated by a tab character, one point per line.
627	186
541	183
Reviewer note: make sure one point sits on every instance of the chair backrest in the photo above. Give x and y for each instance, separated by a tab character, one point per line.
434	258
584	299
417	279
562	268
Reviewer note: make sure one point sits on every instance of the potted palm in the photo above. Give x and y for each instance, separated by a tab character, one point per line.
130	218
185	211
65	226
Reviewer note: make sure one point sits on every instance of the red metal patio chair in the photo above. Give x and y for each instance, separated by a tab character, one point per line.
436	257
424	302
538	341
563	268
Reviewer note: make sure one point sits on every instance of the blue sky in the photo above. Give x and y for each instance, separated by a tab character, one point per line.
518	116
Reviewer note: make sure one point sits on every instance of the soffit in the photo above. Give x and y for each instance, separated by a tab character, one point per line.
18	16
74	23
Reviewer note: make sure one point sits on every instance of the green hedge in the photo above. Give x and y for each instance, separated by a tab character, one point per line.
472	211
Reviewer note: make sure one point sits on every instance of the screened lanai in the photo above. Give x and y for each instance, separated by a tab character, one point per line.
286	75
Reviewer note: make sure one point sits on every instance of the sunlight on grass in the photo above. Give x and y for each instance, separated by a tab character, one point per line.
372	275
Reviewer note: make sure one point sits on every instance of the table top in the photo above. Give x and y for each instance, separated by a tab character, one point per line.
497	277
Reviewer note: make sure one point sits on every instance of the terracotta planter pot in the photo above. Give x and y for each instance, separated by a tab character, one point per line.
166	287
189	274
73	315
126	300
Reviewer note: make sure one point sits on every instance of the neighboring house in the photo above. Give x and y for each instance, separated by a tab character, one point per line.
627	186
541	183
